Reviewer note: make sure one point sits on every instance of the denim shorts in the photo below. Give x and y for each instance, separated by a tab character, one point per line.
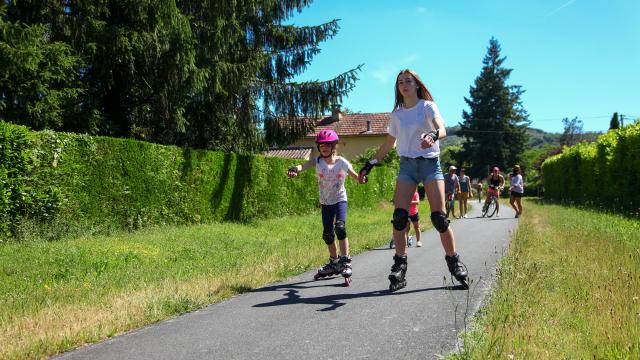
420	170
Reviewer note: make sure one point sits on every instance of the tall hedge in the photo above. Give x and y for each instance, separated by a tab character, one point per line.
604	173
99	184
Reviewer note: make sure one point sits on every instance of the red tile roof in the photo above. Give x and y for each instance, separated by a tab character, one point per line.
354	124
290	153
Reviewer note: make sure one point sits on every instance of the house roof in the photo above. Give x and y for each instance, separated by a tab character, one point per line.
354	124
290	153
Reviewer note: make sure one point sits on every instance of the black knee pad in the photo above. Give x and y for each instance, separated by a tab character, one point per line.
341	230
328	238
440	221
400	219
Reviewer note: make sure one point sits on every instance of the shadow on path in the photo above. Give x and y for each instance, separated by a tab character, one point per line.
334	301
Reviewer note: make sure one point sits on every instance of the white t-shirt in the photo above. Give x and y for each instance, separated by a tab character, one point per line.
517	184
407	125
331	180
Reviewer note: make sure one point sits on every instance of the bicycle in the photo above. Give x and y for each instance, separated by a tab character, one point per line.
490	207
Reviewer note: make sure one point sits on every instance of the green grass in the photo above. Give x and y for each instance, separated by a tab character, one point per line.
568	289
55	296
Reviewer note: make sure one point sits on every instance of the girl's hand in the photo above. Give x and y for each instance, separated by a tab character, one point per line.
428	139
292	172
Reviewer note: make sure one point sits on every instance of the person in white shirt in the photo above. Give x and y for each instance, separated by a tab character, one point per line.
516	190
331	171
415	128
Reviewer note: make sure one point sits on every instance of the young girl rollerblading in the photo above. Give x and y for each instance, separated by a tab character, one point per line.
415	128
331	171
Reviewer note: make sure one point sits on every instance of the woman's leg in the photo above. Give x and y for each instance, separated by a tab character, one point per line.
512	201
519	202
402	200
435	196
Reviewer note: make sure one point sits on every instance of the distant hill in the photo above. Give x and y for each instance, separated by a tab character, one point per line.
537	138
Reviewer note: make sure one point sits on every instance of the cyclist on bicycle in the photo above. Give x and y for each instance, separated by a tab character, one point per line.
496	182
451	187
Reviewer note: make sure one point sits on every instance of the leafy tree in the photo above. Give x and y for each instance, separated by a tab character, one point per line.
208	74
572	133
494	128
615	122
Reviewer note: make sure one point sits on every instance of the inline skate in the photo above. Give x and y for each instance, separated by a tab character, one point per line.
457	269
345	269
398	272
331	268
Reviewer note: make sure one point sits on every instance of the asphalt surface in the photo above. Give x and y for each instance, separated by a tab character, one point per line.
306	319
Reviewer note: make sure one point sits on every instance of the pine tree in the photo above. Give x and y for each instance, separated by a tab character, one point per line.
494	128
251	57
615	123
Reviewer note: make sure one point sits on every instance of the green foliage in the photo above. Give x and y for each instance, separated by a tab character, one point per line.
605	173
104	184
37	75
495	127
214	74
20	199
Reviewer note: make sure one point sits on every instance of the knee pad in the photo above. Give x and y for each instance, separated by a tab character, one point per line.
440	221
341	230
400	219
328	238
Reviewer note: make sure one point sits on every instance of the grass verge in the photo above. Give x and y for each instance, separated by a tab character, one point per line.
55	296
568	289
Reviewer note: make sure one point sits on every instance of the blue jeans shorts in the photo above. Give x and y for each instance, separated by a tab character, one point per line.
420	170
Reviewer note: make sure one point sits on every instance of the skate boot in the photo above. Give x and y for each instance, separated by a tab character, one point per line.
329	269
398	272
457	269
410	241
345	265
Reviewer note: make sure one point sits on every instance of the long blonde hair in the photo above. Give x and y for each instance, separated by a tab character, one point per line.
423	92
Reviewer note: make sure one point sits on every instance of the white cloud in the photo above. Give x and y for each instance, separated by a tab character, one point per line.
560	8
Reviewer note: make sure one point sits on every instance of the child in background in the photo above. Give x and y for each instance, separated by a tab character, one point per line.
414	217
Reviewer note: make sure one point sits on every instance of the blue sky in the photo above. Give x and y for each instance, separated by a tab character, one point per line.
572	57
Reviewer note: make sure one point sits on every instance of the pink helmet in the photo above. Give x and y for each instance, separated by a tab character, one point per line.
326	136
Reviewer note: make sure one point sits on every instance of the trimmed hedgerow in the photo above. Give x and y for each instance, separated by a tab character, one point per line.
605	173
102	184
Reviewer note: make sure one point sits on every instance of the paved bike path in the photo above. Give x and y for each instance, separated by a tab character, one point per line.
306	319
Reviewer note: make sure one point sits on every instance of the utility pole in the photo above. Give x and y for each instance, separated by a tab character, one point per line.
621	121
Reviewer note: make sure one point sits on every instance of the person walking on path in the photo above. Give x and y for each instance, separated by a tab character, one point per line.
516	190
451	188
465	192
416	127
331	171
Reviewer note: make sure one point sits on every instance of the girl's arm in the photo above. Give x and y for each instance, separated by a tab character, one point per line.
387	145
352	173
294	170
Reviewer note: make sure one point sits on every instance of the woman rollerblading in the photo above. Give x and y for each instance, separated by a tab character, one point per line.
415	128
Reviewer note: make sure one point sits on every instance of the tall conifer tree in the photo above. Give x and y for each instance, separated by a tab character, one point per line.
494	128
